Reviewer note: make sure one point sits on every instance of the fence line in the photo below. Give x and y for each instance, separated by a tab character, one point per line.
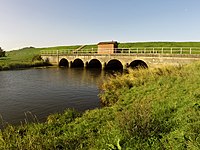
118	51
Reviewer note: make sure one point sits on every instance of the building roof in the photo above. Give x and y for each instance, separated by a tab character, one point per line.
109	42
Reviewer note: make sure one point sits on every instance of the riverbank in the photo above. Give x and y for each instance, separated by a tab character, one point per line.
21	59
21	65
27	57
144	109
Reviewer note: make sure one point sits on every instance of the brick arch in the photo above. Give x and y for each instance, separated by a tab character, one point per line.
114	64
135	64
77	63
94	63
63	63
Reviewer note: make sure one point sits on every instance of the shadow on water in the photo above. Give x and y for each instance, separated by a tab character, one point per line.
46	91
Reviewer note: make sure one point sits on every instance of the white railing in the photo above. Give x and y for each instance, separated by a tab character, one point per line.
126	51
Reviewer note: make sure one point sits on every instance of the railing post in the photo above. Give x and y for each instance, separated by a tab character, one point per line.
162	50
58	56
181	50
137	50
129	51
171	50
153	50
190	50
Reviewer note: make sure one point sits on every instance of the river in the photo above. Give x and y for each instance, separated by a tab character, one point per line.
41	92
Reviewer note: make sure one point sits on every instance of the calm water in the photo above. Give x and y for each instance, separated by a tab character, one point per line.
46	91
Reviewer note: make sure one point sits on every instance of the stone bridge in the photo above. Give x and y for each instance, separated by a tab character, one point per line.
117	60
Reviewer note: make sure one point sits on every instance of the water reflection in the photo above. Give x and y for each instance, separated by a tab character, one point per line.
46	91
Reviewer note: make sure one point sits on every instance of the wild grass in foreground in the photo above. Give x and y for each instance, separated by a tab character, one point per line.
144	109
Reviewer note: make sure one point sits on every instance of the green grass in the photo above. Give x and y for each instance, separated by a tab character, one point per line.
163	47
23	58
20	59
159	44
144	109
147	47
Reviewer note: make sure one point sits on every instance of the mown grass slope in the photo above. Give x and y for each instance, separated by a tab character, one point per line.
27	57
159	44
144	109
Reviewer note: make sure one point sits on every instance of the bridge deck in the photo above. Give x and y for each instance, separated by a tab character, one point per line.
141	51
123	57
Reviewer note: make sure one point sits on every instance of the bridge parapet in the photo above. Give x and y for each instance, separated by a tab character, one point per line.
149	56
129	51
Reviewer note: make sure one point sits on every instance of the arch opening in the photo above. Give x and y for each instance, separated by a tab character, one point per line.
137	64
63	63
77	63
94	63
114	65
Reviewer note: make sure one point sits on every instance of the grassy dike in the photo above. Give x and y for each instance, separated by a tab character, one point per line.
23	58
26	58
144	109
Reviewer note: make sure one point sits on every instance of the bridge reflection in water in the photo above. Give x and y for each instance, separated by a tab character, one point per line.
125	58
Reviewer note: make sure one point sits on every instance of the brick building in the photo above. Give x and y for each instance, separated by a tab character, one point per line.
107	47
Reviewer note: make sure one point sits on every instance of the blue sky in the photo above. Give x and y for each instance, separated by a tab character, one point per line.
45	23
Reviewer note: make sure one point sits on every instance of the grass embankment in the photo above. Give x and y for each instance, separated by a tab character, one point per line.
23	58
155	47
159	44
163	47
27	57
146	109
